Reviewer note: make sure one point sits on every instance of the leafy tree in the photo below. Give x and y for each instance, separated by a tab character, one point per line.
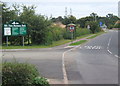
58	19
27	17
93	26
39	30
94	15
70	19
82	21
7	16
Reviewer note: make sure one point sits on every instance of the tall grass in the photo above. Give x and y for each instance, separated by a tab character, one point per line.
81	31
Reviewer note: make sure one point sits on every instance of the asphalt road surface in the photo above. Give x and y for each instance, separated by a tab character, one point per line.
95	62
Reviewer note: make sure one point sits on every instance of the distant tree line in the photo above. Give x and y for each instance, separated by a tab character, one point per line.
109	20
40	28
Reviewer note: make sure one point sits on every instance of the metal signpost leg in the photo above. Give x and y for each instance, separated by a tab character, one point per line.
23	40
7	40
71	37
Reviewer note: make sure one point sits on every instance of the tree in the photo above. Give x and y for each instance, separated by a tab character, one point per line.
93	26
70	19
58	19
82	21
27	17
8	15
94	15
39	29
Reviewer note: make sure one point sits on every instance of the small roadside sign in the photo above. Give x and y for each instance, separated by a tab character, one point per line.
88	27
100	23
7	31
72	28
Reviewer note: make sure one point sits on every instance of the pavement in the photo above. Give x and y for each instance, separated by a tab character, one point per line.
95	62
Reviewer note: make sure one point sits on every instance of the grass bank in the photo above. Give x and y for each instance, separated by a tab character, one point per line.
97	34
78	43
55	43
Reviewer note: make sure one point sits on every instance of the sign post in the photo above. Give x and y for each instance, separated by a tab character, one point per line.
23	40
7	40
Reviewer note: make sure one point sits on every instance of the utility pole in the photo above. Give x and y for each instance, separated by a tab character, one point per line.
66	11
70	12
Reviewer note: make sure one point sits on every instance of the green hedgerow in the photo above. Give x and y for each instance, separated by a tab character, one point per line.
18	73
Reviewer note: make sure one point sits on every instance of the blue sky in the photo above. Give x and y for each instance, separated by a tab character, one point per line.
80	8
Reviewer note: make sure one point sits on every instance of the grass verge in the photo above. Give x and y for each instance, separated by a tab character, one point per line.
55	43
78	43
97	34
83	36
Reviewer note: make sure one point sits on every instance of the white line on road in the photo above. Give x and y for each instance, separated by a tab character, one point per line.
109	41
108	47
109	51
63	65
116	56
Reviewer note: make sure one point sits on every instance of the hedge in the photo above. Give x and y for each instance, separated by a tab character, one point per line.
20	74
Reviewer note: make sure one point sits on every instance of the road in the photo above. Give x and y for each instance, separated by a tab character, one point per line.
95	62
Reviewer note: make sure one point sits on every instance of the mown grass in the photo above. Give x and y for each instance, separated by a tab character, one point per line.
55	43
83	36
97	34
78	43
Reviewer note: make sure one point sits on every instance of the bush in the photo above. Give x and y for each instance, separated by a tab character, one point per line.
22	74
93	26
40	81
77	33
81	31
54	33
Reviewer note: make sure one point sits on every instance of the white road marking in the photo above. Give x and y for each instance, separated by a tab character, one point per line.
109	41
93	47
68	46
80	47
63	65
116	56
109	51
108	47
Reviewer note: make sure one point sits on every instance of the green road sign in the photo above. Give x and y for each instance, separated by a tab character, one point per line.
23	30
15	28
15	31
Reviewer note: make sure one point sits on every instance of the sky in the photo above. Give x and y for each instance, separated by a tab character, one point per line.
79	8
